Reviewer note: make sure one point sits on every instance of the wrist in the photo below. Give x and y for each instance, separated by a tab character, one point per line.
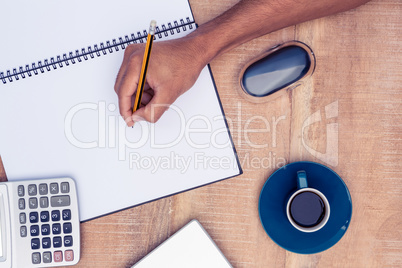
202	48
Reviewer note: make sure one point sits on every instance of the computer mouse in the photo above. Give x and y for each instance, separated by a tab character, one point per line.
278	68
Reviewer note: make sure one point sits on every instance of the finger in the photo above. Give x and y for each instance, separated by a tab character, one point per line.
146	98
154	110
127	53
128	87
122	70
147	87
148	94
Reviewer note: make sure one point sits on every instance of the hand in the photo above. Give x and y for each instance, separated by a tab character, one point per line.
174	67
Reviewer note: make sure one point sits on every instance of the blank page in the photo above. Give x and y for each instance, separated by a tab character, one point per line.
65	121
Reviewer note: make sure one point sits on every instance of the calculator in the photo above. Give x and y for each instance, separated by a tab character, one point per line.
39	223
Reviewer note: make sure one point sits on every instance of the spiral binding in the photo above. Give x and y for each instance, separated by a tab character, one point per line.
95	50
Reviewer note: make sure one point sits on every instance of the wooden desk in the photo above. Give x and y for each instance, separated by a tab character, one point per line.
358	71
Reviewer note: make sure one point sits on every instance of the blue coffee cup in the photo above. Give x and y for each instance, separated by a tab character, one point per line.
307	209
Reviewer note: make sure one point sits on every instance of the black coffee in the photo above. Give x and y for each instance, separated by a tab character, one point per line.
307	209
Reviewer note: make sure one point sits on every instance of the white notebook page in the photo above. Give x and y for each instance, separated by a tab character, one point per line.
65	122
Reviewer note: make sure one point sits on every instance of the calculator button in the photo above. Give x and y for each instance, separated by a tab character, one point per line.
66	215
35	243
34	230
58	256
55	215
23	218
67	228
44	216
33	203
21	190
43	189
54	188
65	187
68	241
60	201
33	217
23	231
32	189
57	242
36	258
21	203
44	202
69	255
45	229
56	228
47	257
46	242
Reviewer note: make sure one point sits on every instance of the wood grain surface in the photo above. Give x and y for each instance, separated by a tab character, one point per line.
356	88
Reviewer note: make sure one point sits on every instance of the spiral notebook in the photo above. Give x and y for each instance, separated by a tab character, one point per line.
59	113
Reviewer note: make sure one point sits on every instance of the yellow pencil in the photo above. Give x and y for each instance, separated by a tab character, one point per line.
144	68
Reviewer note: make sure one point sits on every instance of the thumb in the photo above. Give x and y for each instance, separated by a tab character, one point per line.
154	110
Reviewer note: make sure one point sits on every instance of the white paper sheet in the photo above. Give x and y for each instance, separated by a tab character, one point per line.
65	122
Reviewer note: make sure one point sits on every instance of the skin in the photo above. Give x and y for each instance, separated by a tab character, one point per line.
176	64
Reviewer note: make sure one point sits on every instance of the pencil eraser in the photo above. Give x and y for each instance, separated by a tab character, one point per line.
152	27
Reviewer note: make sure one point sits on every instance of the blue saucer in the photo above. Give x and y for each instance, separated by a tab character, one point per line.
273	198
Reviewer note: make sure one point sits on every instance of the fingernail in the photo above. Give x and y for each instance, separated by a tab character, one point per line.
129	121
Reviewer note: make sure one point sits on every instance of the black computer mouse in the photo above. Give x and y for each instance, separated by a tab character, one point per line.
278	68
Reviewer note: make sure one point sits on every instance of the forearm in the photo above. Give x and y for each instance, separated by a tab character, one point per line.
253	18
176	64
